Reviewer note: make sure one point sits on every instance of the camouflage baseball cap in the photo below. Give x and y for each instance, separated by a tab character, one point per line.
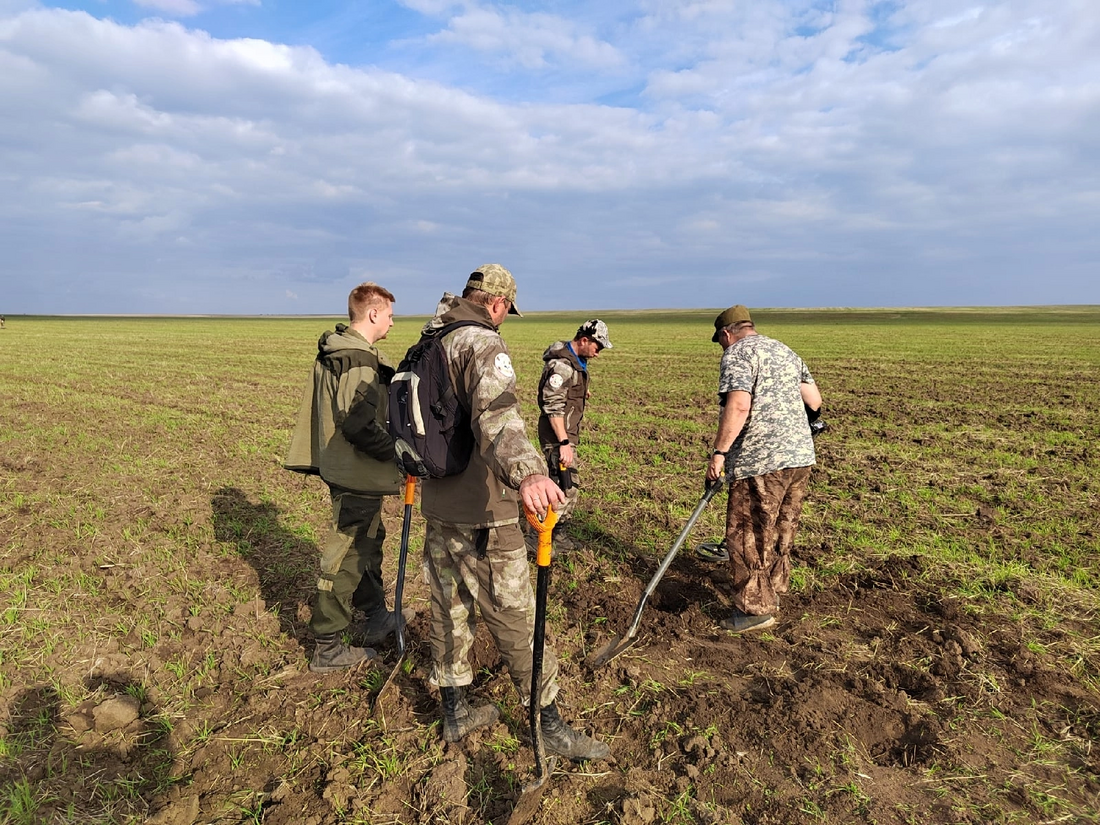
736	314
496	280
597	331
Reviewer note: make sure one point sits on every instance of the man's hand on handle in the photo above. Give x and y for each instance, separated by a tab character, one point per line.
568	454
716	467
537	492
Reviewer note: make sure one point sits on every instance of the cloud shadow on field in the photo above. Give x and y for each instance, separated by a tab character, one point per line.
285	564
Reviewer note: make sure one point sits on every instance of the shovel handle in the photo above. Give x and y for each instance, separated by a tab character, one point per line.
545	529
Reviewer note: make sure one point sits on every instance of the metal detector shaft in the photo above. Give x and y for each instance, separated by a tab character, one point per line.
402	559
620	643
399	588
542	585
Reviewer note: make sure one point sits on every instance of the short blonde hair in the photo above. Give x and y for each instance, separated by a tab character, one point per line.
366	296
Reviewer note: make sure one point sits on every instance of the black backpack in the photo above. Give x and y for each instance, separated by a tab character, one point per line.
430	428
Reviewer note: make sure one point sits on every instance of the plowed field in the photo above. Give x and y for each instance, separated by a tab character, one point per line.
937	660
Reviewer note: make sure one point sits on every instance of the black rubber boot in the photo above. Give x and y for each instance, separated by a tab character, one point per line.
331	654
377	627
559	738
459	718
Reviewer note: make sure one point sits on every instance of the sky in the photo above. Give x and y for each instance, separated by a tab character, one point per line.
265	156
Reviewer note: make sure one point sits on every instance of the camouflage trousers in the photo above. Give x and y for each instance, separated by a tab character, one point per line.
487	568
761	521
570	478
351	562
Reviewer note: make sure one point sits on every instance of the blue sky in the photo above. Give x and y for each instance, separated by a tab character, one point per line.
259	157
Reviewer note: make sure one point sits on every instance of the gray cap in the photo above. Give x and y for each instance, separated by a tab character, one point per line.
495	280
597	331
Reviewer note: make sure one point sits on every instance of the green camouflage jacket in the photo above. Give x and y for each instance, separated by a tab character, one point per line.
341	432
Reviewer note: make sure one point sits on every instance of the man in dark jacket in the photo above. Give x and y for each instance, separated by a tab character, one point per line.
341	435
473	547
563	392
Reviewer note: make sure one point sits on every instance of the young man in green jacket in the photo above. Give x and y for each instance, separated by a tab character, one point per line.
341	435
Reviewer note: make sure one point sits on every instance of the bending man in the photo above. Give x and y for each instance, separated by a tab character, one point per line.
765	447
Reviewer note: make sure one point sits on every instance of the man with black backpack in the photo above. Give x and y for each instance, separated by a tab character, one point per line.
341	435
474	548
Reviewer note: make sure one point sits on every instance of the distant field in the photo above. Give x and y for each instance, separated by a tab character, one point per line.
939	660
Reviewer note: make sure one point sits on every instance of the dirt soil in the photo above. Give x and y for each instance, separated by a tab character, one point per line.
872	701
157	670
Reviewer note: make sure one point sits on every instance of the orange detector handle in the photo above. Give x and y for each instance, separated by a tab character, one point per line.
545	530
410	490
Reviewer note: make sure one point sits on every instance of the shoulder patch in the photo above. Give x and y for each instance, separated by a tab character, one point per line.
503	365
555	381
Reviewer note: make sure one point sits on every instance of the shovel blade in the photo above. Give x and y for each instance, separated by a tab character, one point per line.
609	651
528	803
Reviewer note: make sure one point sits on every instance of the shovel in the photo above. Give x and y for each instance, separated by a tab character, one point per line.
620	643
528	802
399	589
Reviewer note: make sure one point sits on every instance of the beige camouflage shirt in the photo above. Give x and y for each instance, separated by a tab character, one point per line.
485	382
776	435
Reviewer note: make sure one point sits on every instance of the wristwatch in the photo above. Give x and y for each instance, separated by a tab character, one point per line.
721	452
564	443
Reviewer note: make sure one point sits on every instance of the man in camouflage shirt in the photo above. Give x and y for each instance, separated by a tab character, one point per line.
563	392
474	551
765	448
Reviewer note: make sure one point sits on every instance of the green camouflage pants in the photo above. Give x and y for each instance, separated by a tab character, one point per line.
553	469
486	567
351	562
761	521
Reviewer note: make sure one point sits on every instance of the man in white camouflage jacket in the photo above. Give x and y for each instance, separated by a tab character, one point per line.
765	447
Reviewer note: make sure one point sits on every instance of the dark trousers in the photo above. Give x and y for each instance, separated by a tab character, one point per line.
351	562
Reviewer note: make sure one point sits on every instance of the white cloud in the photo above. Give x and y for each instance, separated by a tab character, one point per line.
531	39
188	8
764	138
179	8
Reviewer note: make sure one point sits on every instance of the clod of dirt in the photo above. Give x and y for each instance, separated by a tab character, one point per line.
970	647
116	713
986	515
637	812
114	667
79	722
443	794
183	812
339	791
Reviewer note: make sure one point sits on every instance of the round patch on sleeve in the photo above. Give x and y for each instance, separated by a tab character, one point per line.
555	381
504	365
